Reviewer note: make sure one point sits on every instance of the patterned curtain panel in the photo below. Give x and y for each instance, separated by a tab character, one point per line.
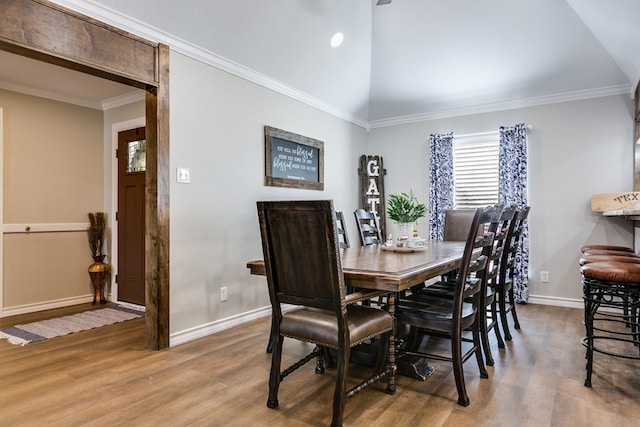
440	182
513	190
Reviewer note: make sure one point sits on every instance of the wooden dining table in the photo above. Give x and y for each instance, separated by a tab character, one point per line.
391	269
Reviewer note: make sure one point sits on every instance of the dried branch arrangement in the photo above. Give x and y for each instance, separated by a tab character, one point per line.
97	225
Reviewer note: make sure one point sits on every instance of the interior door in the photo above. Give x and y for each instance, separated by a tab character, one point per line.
132	154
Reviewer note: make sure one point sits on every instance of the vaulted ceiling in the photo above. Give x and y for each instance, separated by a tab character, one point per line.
409	58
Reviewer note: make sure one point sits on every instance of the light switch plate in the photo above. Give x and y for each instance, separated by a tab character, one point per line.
183	175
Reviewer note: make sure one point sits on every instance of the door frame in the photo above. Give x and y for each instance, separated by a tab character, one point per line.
87	45
115	129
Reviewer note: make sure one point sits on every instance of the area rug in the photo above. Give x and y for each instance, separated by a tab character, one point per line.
39	331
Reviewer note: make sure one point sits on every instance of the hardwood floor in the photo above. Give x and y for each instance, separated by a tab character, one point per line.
105	377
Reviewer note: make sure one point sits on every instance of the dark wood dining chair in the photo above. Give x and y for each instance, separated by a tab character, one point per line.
368	227
489	319
503	285
303	268
456	228
457	223
343	236
343	241
446	317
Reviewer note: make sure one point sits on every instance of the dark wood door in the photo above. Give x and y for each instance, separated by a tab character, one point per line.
131	209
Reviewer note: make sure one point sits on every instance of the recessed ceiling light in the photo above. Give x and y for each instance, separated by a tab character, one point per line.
337	39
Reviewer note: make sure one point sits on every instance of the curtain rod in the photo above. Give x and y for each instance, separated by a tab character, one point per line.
495	132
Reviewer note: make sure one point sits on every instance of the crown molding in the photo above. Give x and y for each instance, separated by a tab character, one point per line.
635	80
47	94
176	44
508	105
153	34
127	98
239	70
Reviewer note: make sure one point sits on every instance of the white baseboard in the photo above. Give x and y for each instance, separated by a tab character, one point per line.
221	325
46	305
218	326
558	302
230	322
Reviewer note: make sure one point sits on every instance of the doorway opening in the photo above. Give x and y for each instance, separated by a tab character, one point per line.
113	54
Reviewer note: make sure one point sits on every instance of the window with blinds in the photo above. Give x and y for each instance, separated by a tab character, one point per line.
475	173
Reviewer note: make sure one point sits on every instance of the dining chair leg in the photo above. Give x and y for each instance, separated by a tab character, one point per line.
476	341
496	323
502	308
322	354
382	358
274	375
272	332
458	373
484	337
512	301
484	332
339	396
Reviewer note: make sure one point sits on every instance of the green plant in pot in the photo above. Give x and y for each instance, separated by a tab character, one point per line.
405	209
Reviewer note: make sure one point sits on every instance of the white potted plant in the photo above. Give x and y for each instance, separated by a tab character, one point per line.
405	209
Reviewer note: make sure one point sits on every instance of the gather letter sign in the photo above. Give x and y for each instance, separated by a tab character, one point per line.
372	187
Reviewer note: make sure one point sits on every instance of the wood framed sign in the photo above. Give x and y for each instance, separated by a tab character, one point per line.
293	160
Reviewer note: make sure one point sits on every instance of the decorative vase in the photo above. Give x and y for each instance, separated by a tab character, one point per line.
99	273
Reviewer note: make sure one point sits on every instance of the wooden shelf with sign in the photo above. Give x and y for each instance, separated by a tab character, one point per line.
624	205
615	201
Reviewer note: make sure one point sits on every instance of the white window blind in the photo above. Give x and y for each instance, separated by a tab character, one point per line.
475	173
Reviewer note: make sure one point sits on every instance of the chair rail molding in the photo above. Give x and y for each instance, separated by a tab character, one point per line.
44	227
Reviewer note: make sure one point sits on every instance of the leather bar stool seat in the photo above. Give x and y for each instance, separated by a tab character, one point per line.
607	247
619	272
611	294
609	252
588	259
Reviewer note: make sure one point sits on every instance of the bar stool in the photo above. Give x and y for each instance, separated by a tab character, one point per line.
609	252
611	294
588	259
606	247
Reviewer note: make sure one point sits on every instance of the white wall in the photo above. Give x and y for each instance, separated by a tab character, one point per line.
576	149
217	123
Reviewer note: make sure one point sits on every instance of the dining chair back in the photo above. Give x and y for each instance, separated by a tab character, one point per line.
503	285
447	316
457	220
490	316
368	227
341	227
303	269
456	228
457	223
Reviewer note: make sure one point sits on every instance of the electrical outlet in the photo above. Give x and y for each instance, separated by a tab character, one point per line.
544	277
223	294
